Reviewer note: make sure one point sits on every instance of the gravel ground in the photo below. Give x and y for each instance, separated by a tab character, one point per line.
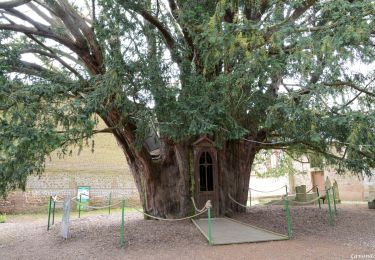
97	237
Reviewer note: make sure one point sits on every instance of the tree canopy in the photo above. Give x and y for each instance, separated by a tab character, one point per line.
295	75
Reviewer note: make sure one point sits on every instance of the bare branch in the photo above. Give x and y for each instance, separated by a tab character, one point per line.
41	3
22	16
154	21
64	13
42	14
105	130
53	56
47	34
351	85
68	56
348	103
167	36
90	50
85	46
12	4
30	69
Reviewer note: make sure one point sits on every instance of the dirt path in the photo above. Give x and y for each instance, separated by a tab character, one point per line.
97	237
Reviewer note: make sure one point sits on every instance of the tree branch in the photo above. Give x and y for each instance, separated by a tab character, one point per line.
298	12
47	34
169	40
351	85
90	50
12	4
167	36
53	56
104	130
188	39
26	18
42	14
254	12
85	46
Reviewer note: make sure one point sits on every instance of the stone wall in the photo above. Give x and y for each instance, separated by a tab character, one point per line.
351	187
105	171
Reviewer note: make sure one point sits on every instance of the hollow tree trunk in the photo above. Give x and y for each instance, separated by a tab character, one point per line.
164	187
235	160
167	185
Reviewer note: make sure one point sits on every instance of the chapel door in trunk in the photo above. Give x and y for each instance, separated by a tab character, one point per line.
206	176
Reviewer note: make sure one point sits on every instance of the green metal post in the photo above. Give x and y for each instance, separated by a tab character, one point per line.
334	200
329	207
49	212
79	206
209	227
109	203
287	212
122	222
317	192
53	212
286	191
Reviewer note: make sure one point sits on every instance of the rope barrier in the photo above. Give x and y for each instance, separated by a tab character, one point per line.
300	193
102	207
314	186
268	204
205	208
96	207
55	199
268	191
195	206
201	211
274	202
307	202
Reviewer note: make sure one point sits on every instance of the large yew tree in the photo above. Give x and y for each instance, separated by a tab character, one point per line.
250	74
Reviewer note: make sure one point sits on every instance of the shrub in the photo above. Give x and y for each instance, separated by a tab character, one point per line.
2	218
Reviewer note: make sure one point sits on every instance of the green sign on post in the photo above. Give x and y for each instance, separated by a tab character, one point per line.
83	195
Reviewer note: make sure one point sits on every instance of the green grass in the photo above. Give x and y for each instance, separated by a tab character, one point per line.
3	218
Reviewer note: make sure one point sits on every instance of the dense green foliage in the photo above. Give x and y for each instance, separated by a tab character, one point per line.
293	75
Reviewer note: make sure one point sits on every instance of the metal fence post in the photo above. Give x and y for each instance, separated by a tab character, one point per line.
109	203
329	207
49	212
79	206
317	192
53	212
334	200
209	226
122	242
287	212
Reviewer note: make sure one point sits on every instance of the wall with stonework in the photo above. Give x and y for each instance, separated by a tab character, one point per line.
105	170
351	187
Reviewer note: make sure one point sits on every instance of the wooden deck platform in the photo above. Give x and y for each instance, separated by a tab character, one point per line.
229	231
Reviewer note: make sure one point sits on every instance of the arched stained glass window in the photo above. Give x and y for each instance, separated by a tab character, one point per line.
206	172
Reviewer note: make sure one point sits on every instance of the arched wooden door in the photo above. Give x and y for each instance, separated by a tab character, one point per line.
206	176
